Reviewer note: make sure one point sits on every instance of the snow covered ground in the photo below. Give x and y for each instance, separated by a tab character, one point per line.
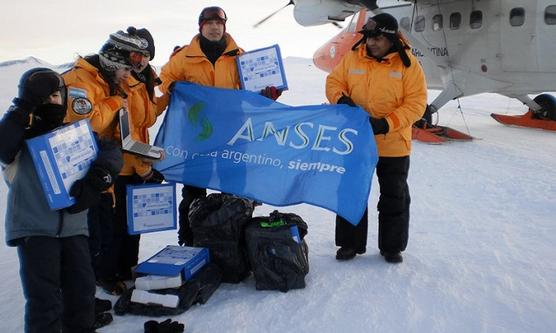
481	255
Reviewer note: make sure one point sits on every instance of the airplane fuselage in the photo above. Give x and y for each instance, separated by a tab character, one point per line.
470	47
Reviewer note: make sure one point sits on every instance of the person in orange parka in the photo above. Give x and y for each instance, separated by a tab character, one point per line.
381	76
144	108
208	60
97	89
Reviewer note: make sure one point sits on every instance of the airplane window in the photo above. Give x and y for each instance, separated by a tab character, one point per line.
437	22
420	23
404	23
476	19
550	15
455	21
517	17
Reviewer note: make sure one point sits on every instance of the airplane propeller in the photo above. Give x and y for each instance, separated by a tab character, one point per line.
272	14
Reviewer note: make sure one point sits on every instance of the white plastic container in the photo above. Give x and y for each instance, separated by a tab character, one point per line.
154	282
145	297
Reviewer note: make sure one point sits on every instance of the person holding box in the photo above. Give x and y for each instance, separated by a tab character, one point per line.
55	267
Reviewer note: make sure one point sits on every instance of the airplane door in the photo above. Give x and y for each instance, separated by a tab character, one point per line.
546	25
519	37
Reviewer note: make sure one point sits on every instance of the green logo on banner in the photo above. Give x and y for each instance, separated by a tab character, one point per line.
197	118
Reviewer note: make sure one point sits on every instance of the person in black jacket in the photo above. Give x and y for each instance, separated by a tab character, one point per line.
55	267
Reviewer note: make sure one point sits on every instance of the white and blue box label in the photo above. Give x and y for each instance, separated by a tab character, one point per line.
151	208
61	157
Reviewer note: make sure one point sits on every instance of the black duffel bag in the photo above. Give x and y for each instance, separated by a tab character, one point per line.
218	223
278	253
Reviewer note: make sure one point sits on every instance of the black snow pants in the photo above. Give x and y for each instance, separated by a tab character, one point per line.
393	210
58	284
100	220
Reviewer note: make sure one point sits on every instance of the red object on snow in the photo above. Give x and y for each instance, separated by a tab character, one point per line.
525	120
438	135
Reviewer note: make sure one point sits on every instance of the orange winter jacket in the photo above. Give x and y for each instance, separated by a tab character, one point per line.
385	89
142	115
89	97
190	64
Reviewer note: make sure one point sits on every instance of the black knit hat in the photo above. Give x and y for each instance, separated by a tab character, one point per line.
146	35
385	25
40	81
128	41
114	54
112	58
381	24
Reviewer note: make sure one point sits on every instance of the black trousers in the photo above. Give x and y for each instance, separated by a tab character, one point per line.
188	194
119	251
100	219
58	284
393	210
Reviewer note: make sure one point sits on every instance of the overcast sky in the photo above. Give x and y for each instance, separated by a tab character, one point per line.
58	31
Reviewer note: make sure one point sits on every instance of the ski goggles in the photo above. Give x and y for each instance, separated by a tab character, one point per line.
212	13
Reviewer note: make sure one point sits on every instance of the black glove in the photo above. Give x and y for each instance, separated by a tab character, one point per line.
167	326
346	100
153	177
87	190
36	85
380	126
271	92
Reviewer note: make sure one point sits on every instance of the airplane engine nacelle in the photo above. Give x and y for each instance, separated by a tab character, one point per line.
317	12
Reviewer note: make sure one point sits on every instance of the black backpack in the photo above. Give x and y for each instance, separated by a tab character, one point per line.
278	254
218	223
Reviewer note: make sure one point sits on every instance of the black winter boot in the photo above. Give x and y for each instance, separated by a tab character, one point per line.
102	319
392	257
102	305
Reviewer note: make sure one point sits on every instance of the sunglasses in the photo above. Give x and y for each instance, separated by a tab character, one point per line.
212	13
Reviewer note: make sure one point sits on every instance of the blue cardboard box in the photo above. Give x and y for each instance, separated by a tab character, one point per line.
151	208
61	157
261	68
173	260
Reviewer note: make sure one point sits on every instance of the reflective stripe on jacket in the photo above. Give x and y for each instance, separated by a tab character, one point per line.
385	89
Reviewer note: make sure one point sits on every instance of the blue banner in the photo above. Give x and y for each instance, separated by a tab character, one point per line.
240	142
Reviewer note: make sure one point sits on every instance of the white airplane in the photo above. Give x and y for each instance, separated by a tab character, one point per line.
466	47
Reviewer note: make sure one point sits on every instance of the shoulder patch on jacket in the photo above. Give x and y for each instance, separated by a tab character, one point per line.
82	106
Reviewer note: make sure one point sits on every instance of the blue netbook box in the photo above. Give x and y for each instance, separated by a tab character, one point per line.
173	260
261	68
61	157
151	208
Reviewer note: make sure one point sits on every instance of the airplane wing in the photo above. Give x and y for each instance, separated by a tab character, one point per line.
317	12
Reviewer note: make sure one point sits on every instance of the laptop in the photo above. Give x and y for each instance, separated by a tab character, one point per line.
129	145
